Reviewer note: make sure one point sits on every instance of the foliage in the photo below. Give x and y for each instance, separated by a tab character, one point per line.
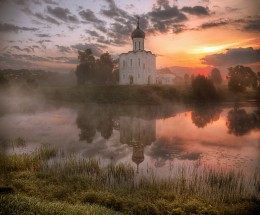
95	71
23	205
86	69
72	184
240	77
215	76
203	89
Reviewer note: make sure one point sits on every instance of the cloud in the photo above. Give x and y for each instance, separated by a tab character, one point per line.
165	18
63	48
252	25
92	33
89	15
50	2
114	11
96	49
164	149
6	27
43	35
196	10
233	57
170	13
27	49
63	14
46	18
44	41
213	24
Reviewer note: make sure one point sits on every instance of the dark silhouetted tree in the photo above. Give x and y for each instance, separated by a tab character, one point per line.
203	89
215	76
240	77
86	69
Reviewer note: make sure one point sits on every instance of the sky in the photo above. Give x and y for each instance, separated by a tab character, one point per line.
47	34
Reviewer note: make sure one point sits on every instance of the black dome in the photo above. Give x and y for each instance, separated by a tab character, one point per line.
138	33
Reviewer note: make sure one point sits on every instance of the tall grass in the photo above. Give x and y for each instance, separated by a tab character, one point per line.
47	174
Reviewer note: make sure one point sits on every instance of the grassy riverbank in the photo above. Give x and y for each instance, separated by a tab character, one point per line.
47	182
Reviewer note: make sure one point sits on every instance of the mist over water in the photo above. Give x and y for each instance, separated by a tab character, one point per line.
150	138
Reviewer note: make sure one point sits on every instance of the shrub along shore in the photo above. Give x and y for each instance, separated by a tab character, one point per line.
46	182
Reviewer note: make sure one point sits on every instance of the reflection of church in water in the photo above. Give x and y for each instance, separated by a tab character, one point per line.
137	133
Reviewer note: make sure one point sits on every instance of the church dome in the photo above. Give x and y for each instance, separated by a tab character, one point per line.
138	33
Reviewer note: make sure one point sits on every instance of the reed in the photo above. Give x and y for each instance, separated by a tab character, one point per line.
189	190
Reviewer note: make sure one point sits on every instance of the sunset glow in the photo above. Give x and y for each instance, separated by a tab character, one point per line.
48	34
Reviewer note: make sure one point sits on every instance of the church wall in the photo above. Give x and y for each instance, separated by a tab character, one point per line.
139	66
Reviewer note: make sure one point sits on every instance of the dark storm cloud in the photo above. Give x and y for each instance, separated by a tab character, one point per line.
233	57
196	10
6	27
62	14
89	15
46	18
63	48
96	49
214	24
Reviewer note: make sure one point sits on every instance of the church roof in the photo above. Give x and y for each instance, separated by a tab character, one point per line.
138	33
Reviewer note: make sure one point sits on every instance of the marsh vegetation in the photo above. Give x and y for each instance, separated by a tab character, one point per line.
78	186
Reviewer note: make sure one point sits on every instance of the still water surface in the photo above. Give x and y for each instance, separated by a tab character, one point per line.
149	138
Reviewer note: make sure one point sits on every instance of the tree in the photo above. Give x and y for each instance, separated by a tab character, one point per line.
86	69
240	78
203	89
215	76
105	66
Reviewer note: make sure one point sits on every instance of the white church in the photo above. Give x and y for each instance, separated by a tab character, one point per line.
138	66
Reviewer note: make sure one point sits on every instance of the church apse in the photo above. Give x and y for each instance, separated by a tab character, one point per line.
137	133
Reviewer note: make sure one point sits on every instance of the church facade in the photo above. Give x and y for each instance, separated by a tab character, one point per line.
138	66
